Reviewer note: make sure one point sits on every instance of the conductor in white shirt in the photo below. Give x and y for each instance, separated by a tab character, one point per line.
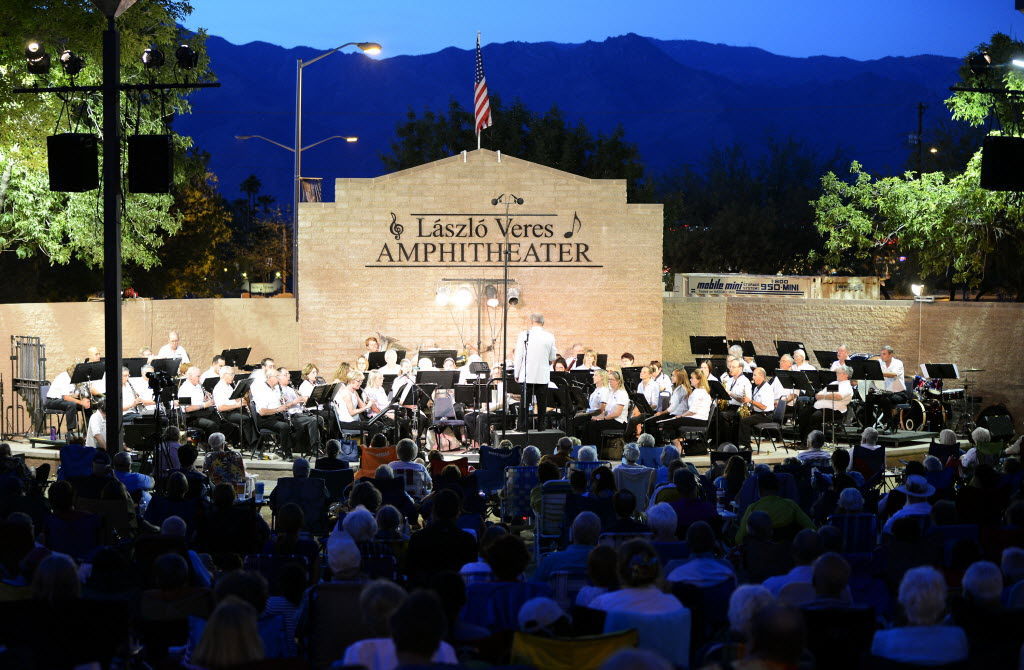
535	352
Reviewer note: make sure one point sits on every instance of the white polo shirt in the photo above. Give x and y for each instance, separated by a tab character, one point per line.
846	394
894	384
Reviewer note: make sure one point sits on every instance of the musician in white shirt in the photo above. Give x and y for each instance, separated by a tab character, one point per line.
697	413
173	348
131	402
140	386
391	366
310	380
842	355
402	392
570	358
62	396
348	406
896	387
663	381
197	406
736	351
788	396
738	388
233	420
96	432
829	405
615	410
305	425
800	361
761	399
649	389
595	403
216	363
272	410
678	405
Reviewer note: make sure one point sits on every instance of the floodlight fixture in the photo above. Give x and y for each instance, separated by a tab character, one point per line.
153	58
71	62
513	295
463	297
491	293
186	56
36	59
917	289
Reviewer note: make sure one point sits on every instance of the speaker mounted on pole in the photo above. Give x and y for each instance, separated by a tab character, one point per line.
150	164
73	162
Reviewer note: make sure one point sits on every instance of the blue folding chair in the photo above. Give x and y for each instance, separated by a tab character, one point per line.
515	501
491	474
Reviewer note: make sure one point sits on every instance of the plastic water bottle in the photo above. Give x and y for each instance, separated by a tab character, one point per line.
53	434
258	490
720	485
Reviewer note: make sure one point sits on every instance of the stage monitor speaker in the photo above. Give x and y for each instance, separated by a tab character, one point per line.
544	440
73	162
150	164
1002	164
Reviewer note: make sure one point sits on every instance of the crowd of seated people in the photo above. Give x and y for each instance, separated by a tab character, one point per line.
809	563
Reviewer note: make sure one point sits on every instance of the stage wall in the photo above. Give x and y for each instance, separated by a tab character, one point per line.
582	256
984	335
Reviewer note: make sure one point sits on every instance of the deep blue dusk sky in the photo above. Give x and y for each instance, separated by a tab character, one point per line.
861	29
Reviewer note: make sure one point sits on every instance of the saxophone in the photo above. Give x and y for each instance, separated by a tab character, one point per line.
744	410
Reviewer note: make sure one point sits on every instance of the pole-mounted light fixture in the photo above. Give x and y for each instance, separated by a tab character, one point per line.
36	58
71	62
186	56
153	58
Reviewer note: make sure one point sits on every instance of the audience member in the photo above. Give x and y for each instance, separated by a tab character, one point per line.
703	567
583	536
639	573
330	461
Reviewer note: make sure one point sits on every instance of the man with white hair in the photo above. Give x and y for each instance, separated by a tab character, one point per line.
199	408
830	405
583	536
534	353
924	641
978	436
173	348
736	351
231	410
983	584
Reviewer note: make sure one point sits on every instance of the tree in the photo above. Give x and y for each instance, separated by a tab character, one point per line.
743	214
952	229
66	226
189	261
546	139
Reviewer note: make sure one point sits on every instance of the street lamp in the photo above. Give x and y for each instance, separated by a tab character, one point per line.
371	48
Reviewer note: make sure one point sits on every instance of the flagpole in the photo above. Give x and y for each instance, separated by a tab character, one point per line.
478	140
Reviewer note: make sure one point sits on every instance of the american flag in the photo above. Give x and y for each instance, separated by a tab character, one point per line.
481	102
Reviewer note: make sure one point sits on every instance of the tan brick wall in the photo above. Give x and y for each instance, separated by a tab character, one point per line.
614	308
973	335
204	326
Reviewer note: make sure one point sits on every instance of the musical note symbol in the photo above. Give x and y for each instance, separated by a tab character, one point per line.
396	228
576	226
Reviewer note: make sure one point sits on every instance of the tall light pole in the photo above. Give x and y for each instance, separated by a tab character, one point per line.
295	217
366	47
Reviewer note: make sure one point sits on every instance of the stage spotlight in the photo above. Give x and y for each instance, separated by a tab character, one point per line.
71	62
513	296
36	58
153	58
917	289
463	297
186	56
491	293
441	299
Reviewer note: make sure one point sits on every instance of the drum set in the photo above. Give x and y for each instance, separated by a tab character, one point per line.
933	408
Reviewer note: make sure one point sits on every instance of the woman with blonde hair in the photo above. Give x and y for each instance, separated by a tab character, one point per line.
231	636
615	411
341	374
678	404
697	412
596	403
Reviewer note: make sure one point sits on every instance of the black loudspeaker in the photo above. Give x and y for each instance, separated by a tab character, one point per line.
73	162
150	164
1002	164
544	440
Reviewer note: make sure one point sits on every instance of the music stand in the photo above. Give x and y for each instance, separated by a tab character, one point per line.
241	388
825	358
438	356
702	345
640	401
236	358
746	345
296	378
941	370
168	366
866	369
584	378
134	366
798	379
631	376
439	379
471	395
767	362
210	383
788	347
389	381
88	372
321	395
375	359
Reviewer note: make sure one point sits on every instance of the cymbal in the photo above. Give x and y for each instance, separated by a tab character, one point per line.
973	370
